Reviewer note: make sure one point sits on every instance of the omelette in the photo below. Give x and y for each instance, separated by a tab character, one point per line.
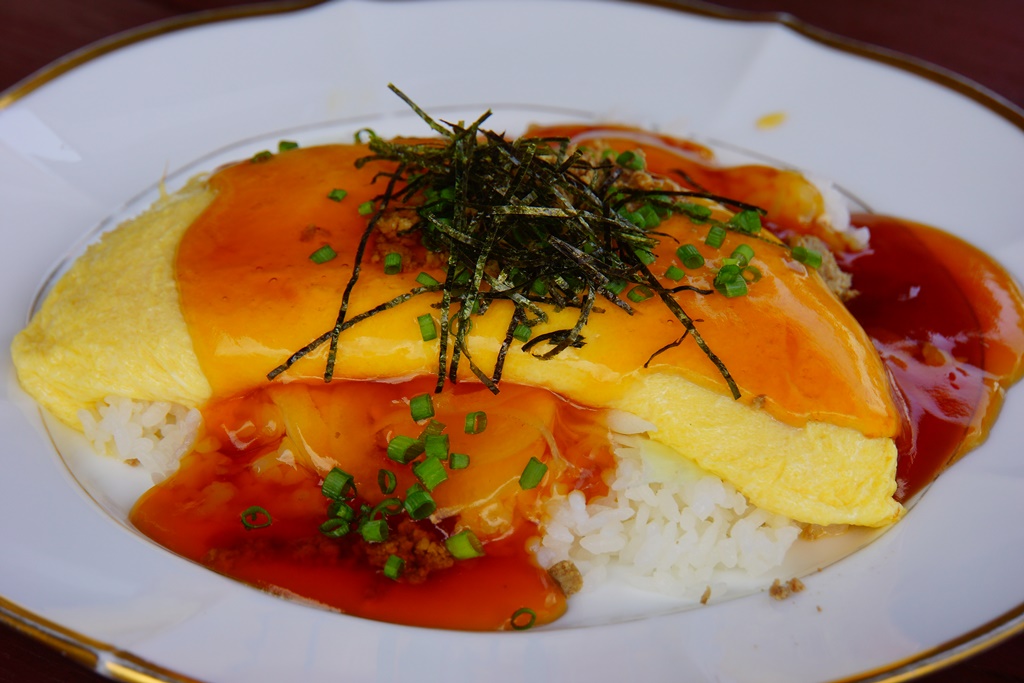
811	436
336	312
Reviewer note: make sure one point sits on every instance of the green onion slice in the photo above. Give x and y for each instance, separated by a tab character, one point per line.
341	510
285	145
716	236
426	280
808	257
374	530
261	156
392	263
338	484
640	293
393	567
335	528
366	208
747	221
522	332
323	254
476	422
675	273
404	449
337	194
689	256
743	253
387	481
436	446
421	407
532	474
431	472
458	461
256	517
464	545
732	288
519	623
418	502
428	328
385	508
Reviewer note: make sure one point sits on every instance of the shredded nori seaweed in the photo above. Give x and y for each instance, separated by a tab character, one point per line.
520	220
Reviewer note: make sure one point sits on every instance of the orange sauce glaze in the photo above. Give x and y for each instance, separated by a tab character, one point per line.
946	318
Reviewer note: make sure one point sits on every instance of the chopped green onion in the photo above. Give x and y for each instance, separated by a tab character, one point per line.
431	472
697	213
341	510
476	422
335	528
458	461
338	485
432	427
337	194
616	286
732	288
464	545
728	273
807	256
747	221
716	236
646	257
421	407
690	257
256	517
404	449
532	474
385	508
285	145
436	446
522	332
323	254
539	288
517	621
751	274
640	293
387	481
418	502
426	280
366	208
675	273
393	567
374	530
743	253
650	216
392	263
630	160
261	156
428	329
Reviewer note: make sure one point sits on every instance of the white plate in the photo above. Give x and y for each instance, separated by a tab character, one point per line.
75	151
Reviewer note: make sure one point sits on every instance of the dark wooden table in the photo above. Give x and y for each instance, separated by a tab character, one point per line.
980	39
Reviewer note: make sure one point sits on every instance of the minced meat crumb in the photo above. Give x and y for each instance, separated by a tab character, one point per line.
837	279
421	547
781	591
567	576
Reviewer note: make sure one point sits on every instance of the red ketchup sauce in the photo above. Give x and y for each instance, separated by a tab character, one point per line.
197	512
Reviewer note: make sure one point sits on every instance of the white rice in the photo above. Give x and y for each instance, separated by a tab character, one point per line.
154	434
665	526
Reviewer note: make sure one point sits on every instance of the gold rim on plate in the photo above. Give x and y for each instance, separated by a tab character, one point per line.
123	666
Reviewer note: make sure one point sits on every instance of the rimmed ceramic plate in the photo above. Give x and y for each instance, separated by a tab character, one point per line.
79	149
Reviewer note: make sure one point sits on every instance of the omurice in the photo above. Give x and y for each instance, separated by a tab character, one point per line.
397	374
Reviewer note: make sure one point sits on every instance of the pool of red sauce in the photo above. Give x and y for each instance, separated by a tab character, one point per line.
950	336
